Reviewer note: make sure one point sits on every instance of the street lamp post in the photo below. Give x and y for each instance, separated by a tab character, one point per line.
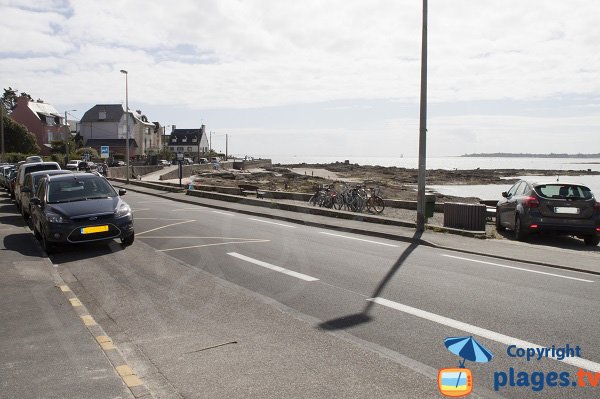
126	121
2	130
422	128
68	136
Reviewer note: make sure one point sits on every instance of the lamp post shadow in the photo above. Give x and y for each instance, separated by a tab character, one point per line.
363	316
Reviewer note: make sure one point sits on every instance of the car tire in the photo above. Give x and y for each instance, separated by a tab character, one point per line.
128	241
46	245
591	240
499	226
520	235
24	214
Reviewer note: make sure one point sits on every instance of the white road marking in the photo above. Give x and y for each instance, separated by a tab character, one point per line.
278	224
198	208
358	239
154	202
518	268
273	267
224	213
198	238
211	245
141	209
157	219
482	332
162	227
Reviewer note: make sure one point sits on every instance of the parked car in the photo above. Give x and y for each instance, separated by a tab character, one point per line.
26	168
12	178
79	208
203	160
164	162
73	164
4	173
558	207
33	158
30	187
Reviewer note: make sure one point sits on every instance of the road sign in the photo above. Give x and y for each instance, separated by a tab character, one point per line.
104	151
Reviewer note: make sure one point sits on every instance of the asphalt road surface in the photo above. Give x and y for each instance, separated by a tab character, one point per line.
385	296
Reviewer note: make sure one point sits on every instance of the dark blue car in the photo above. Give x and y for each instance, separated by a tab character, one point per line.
79	208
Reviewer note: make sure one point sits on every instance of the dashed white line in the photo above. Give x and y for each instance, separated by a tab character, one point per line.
278	224
482	332
224	213
211	245
273	267
517	268
358	239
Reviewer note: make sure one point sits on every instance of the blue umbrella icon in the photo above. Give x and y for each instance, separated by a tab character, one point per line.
469	349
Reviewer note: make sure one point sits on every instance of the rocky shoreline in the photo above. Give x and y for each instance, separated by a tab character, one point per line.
394	182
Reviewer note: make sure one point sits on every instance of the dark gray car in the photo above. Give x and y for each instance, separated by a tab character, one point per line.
79	208
562	208
30	187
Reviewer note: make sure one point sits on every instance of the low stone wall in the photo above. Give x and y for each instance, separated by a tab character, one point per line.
188	170
120	172
257	163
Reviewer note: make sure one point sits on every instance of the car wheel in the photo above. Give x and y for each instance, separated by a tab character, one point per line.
46	245
520	235
127	241
591	240
24	214
499	226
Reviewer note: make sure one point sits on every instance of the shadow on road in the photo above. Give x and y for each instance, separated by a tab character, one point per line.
77	252
363	316
22	243
553	240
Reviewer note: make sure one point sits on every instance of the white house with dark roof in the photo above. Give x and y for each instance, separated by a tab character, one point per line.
191	142
108	122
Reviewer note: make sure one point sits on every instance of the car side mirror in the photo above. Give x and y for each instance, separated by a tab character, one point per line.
505	194
26	189
122	192
35	201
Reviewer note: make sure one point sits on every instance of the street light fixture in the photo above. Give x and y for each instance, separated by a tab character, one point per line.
126	121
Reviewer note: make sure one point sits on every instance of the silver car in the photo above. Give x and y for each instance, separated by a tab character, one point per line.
558	207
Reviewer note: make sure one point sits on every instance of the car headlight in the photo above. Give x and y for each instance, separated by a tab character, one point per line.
124	210
54	218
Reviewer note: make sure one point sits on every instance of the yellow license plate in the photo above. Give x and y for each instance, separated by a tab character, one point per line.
94	229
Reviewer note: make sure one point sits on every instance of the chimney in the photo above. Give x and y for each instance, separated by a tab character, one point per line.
173	127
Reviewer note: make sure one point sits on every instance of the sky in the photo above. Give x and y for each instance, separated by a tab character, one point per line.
322	78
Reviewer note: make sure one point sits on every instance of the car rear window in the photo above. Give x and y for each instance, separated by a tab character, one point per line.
37	168
564	191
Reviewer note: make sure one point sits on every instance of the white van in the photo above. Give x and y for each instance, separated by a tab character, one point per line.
28	168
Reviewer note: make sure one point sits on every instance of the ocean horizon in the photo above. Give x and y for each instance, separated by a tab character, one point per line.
449	163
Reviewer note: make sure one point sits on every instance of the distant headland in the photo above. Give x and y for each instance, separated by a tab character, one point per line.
527	155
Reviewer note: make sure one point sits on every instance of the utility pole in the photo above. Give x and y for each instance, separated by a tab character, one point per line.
2	130
226	146
422	128
210	142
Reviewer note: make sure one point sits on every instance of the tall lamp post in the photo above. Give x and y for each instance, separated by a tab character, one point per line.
2	131
68	136
422	127
126	121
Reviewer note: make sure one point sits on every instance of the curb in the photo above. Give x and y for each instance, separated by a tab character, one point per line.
379	234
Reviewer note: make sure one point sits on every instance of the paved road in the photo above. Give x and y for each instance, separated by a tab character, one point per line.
423	295
399	300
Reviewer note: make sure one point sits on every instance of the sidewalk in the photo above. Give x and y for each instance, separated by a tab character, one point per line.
45	349
540	251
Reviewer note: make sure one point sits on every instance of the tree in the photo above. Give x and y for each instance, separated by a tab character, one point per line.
9	98
93	153
18	139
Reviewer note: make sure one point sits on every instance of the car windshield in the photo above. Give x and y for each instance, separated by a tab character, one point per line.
79	190
564	191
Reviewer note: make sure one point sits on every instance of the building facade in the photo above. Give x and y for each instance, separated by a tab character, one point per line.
192	143
41	119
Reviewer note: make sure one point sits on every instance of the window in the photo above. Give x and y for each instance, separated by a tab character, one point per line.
189	149
179	149
102	115
184	140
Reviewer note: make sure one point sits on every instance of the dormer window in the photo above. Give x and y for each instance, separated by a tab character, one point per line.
102	115
194	140
184	140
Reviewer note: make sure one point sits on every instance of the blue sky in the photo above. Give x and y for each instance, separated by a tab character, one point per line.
336	77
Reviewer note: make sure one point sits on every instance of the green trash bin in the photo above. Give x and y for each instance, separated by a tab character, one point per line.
429	205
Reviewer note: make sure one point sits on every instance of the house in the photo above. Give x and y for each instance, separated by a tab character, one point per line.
41	119
191	142
106	124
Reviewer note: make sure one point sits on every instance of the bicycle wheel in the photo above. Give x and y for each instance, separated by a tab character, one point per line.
338	201
377	204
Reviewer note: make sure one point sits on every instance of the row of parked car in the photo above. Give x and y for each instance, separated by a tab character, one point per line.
67	207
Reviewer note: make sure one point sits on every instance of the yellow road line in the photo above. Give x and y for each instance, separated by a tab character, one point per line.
88	320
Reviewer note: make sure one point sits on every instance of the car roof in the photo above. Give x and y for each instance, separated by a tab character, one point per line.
51	172
536	183
76	176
